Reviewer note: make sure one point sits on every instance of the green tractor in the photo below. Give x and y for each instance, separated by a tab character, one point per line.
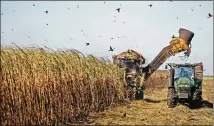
185	84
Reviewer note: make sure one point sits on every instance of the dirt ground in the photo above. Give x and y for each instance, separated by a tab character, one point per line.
154	111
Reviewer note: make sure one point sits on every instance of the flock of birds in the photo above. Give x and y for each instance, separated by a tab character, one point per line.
118	10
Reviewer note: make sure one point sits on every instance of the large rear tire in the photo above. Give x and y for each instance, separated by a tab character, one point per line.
171	100
139	95
195	104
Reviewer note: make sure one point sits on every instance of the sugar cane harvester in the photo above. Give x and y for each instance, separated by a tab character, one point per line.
135	75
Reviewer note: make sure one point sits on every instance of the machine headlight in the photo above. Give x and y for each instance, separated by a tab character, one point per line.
183	85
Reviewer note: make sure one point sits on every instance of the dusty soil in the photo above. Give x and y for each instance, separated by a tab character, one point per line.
154	111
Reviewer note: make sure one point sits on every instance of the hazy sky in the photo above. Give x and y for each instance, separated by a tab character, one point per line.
148	29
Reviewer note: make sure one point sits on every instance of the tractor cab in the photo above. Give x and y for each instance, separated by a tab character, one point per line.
129	60
186	71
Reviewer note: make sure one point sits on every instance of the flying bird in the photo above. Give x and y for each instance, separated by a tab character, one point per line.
112	38
192	9
150	5
118	9
199	5
33	4
177	17
46	23
28	36
78	6
12	30
87	44
210	15
46	11
104	2
111	49
69	8
124	22
1	13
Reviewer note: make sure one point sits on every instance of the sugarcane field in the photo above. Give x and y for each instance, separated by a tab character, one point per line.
106	63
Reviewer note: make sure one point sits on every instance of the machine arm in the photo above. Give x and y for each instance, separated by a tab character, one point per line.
176	46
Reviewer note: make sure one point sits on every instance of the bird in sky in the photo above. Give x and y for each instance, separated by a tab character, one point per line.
210	15
150	5
46	11
111	49
87	44
118	9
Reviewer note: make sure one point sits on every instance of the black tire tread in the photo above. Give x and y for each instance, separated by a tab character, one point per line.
171	102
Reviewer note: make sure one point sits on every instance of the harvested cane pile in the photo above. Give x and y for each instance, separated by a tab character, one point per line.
158	80
41	86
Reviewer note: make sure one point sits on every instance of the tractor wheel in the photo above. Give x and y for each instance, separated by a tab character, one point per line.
131	93
139	94
171	100
195	104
